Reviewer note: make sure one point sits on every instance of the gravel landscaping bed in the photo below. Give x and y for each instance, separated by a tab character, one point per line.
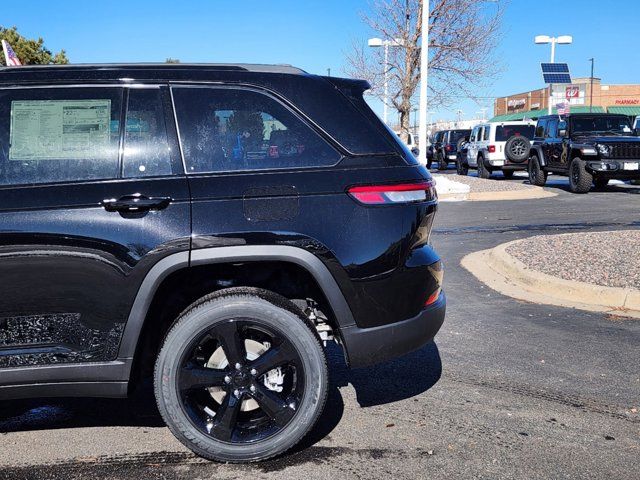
492	185
609	259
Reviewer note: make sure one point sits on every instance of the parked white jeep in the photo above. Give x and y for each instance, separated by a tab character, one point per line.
498	146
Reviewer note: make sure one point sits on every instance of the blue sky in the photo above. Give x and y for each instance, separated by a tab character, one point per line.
316	34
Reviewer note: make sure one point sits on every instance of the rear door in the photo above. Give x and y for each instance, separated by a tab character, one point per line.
472	150
552	144
87	207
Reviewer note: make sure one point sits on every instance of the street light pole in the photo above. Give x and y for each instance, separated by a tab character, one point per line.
591	88
378	42
424	62
562	39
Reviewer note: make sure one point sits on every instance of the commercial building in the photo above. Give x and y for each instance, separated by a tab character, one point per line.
580	96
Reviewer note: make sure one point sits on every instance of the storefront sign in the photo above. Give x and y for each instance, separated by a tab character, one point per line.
516	103
572	92
627	101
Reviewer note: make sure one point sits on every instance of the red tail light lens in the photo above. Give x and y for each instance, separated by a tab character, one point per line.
491	148
394	194
437	271
448	148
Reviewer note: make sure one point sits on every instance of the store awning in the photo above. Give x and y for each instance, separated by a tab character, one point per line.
630	111
535	114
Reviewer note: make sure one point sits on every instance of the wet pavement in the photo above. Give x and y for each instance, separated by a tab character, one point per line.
508	390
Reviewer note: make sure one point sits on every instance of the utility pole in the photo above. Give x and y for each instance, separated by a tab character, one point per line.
424	62
591	88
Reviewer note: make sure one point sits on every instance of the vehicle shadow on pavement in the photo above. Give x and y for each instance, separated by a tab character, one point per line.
393	381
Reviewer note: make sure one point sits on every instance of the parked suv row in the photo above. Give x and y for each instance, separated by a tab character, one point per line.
186	223
445	147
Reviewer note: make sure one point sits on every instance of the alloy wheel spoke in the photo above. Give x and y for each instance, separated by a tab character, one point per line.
273	405
274	357
193	376
225	420
232	344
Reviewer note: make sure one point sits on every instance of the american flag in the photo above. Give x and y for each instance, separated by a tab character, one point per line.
9	55
563	108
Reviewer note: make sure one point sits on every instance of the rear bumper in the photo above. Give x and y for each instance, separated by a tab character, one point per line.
368	346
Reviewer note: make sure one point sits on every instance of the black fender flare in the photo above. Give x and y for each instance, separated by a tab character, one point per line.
535	149
248	253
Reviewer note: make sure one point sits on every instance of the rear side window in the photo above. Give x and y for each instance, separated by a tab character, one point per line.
486	132
540	127
552	128
504	132
229	129
50	135
146	147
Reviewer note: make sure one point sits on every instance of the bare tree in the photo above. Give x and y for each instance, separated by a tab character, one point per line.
462	34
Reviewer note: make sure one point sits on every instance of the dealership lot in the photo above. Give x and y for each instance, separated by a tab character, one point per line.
510	389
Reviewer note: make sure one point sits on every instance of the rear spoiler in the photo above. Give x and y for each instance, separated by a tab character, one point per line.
351	87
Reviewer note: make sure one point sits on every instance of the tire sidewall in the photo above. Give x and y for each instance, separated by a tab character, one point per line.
585	179
202	317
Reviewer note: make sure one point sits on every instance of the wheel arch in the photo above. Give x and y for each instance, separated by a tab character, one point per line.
151	287
535	149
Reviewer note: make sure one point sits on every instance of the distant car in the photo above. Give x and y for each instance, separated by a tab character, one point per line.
447	149
410	143
590	148
499	146
433	147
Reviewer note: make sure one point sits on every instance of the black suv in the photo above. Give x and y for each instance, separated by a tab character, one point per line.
210	227
447	150
591	148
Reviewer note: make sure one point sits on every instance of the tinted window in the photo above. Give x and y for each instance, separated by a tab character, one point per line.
540	128
552	128
600	124
59	134
456	135
223	129
504	132
486	131
146	148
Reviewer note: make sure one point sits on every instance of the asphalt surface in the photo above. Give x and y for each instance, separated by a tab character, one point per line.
508	390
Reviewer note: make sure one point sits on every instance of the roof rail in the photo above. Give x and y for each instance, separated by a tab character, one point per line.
247	67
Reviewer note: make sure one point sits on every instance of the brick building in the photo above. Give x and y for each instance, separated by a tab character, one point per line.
606	98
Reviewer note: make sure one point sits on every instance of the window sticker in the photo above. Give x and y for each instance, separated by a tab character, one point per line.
59	129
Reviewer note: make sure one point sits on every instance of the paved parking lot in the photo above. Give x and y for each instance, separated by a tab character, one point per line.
509	389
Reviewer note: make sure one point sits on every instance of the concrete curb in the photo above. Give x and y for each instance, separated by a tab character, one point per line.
528	194
509	276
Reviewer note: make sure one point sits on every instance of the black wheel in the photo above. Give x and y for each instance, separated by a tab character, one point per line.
442	162
508	173
579	179
600	182
462	168
483	171
516	149
537	176
241	376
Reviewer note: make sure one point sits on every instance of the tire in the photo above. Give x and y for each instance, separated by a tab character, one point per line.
257	421
508	173
537	176
462	168
600	182
483	172
442	162
516	149
579	179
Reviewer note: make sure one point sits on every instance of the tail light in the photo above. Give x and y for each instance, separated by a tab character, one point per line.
394	194
448	148
491	148
437	271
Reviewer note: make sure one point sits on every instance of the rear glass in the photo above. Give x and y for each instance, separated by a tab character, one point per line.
504	132
456	135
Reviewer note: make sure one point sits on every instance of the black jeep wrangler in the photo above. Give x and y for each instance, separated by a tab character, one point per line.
591	148
446	151
208	227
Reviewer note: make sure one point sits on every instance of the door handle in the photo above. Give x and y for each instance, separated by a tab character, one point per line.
135	203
